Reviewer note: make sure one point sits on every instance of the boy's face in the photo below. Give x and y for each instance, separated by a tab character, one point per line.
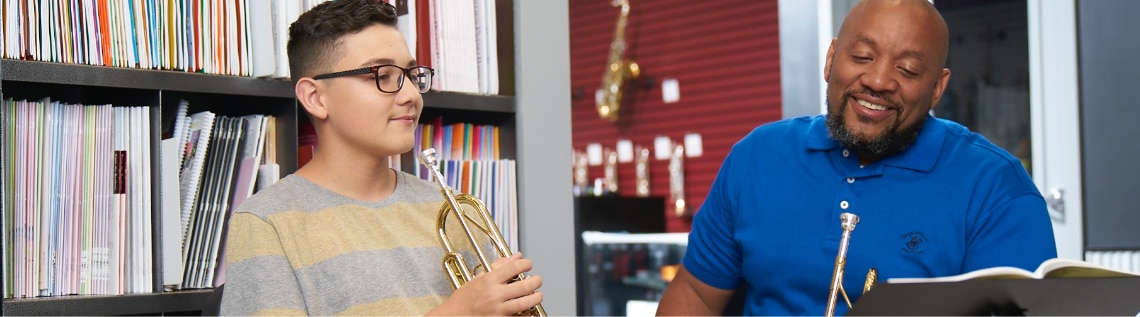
359	114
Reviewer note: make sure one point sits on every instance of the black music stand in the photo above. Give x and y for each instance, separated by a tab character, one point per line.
1104	296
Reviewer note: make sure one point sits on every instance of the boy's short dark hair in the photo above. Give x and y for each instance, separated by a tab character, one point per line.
313	38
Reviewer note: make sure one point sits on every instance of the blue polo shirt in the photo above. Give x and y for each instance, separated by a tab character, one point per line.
951	203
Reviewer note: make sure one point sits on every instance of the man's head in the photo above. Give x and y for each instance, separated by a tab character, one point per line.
332	50
885	71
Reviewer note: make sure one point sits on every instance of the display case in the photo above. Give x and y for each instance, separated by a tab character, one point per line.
626	273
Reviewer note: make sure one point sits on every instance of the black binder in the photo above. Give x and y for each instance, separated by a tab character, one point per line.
1105	296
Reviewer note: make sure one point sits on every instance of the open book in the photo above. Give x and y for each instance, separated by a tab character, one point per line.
1052	268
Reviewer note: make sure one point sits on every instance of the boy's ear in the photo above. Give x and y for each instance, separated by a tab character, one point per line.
309	95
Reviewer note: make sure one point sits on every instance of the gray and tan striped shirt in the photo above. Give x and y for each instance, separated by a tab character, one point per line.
298	249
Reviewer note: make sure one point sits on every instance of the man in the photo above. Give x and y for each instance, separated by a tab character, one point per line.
345	234
934	198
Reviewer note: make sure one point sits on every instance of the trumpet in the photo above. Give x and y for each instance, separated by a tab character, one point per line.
847	221
453	264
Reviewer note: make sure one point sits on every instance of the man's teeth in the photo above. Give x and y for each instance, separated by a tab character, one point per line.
871	106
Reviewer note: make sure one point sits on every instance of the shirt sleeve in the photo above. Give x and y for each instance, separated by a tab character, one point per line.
713	255
259	278
1015	233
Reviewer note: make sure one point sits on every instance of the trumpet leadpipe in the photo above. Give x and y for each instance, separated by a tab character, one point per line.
847	221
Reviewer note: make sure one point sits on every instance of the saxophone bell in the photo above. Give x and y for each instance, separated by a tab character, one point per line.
482	223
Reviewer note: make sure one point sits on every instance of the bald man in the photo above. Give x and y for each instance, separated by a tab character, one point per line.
933	198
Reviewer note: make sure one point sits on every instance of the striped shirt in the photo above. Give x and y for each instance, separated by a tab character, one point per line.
298	249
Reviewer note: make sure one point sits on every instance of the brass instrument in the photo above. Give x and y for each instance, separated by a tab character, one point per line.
611	172
453	263
677	180
847	221
642	172
618	69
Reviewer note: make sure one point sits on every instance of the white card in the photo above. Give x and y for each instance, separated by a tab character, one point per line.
594	154
693	146
662	147
625	151
670	90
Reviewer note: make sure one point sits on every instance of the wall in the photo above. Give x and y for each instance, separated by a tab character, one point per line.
542	57
726	58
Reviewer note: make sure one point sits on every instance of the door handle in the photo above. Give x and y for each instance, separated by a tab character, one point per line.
1055	199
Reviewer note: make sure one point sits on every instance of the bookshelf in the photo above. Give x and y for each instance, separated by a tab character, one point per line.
224	95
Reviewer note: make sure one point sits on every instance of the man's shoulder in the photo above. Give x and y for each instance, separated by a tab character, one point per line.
788	125
974	145
972	151
783	131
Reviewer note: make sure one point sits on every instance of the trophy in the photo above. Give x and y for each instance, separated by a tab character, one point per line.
642	172
611	172
677	180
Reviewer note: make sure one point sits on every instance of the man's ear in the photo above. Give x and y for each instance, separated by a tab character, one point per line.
827	61
940	87
309	95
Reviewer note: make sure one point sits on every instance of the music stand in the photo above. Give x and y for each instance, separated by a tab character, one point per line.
1104	296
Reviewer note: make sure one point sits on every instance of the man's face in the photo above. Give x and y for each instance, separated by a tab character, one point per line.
884	73
360	115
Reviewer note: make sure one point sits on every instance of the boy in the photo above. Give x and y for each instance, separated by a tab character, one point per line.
345	234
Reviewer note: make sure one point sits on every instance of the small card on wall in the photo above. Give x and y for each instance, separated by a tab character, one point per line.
693	147
594	154
662	147
670	90
625	151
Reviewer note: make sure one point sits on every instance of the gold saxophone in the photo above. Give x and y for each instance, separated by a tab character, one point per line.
453	263
847	221
618	69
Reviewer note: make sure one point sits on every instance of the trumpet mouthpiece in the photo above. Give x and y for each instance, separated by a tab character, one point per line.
848	221
428	157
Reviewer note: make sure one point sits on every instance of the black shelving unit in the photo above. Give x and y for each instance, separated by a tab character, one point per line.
181	303
225	95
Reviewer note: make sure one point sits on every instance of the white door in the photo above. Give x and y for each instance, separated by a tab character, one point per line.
1054	114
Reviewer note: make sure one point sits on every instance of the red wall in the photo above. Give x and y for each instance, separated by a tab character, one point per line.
725	56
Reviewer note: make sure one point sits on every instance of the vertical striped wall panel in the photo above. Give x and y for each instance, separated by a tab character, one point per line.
725	56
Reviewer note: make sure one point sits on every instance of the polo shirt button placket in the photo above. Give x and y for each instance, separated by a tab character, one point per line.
850	180
843	205
846	153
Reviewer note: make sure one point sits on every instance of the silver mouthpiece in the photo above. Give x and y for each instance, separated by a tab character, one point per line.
847	221
428	157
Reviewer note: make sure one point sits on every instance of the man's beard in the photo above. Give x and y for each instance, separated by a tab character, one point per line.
895	140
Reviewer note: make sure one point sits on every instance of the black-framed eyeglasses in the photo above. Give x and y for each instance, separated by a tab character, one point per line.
390	78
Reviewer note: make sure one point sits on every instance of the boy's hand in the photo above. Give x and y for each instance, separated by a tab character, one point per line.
492	294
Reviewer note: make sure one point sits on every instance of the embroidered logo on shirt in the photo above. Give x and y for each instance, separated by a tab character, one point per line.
912	242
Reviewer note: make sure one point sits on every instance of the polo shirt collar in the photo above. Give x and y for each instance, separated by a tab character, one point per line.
817	135
921	156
